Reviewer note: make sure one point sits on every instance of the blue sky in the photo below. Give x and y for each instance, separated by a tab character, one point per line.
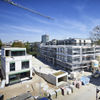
72	18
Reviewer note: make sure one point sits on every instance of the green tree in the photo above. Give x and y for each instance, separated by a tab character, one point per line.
0	44
27	45
18	44
97	42
35	49
32	49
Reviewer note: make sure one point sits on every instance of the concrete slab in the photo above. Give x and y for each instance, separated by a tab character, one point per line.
55	77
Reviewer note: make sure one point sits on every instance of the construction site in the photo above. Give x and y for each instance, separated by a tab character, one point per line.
54	84
61	72
66	69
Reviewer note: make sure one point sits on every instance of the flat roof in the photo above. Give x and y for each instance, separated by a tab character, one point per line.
13	48
58	73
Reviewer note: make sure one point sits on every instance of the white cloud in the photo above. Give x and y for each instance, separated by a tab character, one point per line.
24	28
27	29
59	28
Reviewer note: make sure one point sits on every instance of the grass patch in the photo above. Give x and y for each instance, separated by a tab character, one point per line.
58	73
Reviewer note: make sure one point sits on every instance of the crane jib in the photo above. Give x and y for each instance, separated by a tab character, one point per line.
33	11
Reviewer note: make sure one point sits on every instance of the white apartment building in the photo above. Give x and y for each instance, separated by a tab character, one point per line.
69	56
16	65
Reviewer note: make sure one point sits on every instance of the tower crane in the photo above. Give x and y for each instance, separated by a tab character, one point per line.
30	10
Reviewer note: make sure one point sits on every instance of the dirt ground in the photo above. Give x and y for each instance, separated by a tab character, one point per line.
31	85
87	92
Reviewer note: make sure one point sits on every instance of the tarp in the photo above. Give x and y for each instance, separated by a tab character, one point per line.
85	80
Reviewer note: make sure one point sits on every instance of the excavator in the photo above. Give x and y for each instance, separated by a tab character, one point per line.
30	10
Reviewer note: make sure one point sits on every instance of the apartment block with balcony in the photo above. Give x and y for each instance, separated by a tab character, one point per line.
69	56
48	53
75	57
16	65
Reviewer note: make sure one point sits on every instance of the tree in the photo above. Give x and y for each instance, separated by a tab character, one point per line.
32	48
0	44
27	45
95	33
97	42
18	44
35	49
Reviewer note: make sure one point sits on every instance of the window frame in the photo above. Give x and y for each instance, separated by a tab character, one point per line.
10	66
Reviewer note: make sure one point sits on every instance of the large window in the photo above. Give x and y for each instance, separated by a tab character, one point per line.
76	51
69	51
76	59
17	77
69	59
25	64
7	53
12	66
17	53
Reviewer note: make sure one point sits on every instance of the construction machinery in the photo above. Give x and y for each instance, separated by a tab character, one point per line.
30	10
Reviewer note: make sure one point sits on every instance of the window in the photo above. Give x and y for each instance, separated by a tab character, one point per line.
12	66
69	51
25	64
69	59
7	53
17	53
76	59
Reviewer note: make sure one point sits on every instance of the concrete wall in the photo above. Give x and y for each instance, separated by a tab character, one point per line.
18	61
5	61
63	78
51	78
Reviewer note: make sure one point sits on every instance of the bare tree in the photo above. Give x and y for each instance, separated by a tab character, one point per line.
95	33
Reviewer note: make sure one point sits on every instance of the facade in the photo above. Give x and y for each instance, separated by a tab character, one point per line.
48	53
45	38
76	57
69	56
16	65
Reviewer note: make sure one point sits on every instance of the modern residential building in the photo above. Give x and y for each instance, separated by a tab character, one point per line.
69	56
76	57
45	38
16	65
48	52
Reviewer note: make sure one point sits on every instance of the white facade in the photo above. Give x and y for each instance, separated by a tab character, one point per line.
16	64
69	56
75	57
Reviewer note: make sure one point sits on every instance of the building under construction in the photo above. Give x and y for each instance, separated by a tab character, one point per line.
70	57
16	65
